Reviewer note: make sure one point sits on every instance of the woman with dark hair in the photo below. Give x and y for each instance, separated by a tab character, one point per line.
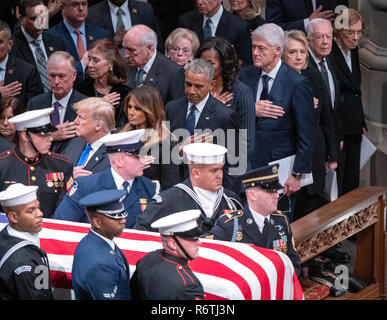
9	107
145	110
227	88
106	74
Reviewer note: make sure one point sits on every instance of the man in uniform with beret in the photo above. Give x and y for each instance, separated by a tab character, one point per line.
32	163
202	190
165	274
125	172
260	223
24	269
100	269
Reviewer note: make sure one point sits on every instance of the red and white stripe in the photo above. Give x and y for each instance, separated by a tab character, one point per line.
232	271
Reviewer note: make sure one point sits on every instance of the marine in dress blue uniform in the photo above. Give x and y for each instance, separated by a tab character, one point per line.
270	230
100	269
165	274
141	189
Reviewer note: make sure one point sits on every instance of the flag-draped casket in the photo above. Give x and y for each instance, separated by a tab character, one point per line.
234	271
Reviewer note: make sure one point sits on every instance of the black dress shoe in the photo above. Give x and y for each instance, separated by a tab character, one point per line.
336	256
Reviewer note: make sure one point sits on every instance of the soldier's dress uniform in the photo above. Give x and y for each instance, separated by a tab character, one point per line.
24	268
173	276
100	270
163	275
51	172
183	197
17	273
240	226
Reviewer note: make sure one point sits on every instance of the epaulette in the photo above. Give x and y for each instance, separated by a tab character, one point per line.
279	213
230	215
5	154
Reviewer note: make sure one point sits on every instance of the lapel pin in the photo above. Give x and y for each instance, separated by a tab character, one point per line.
51	48
91	38
249	221
151	80
207	118
10	71
134	10
96	158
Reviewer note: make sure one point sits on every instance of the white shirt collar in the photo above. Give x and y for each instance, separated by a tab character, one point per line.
29	38
96	144
72	29
148	65
259	218
115	8
3	64
33	237
200	105
215	18
273	73
64	101
317	60
119	180
110	242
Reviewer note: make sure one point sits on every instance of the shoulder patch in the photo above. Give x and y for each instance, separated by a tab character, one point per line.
230	215
21	269
157	198
74	188
278	213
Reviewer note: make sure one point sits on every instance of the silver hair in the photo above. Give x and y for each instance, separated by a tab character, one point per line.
313	22
199	66
272	33
149	37
4	27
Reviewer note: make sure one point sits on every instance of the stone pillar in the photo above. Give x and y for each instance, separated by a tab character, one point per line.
373	59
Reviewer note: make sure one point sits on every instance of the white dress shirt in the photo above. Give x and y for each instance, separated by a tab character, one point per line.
120	181
63	102
125	18
3	67
214	19
259	219
32	46
199	108
272	74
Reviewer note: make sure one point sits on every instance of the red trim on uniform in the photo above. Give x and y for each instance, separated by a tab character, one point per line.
177	269
6	153
64	158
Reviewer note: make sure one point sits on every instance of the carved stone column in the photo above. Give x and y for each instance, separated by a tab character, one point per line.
373	58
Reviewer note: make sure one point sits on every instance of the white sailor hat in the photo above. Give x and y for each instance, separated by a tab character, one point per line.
17	194
182	224
206	153
36	121
129	142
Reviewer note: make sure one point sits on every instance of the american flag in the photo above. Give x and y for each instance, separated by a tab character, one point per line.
229	271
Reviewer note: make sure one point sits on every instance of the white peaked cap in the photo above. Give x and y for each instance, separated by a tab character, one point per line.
32	119
177	222
205	153
17	194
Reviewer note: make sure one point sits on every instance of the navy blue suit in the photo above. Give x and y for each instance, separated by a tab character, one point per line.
92	33
293	133
69	209
99	272
290	14
99	161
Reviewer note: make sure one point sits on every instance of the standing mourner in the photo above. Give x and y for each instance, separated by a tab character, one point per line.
31	162
165	274
24	269
100	269
260	223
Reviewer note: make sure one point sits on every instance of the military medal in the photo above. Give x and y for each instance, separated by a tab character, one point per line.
50	184
143	204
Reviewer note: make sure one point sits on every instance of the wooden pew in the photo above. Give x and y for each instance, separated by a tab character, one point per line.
360	212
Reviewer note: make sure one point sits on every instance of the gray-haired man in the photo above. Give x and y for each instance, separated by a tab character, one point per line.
149	66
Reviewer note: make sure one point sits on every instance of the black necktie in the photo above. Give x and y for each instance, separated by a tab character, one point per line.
265	87
191	119
265	229
324	75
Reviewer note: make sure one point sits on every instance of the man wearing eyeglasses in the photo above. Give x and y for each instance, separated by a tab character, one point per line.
125	173
76	33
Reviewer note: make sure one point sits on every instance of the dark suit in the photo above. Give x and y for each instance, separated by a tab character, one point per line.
215	115
230	27
293	133
5	144
45	101
351	114
290	14
92	33
99	272
99	160
22	50
140	13
165	75
277	236
26	74
69	209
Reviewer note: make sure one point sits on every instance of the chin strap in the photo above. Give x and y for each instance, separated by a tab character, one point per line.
32	144
182	248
